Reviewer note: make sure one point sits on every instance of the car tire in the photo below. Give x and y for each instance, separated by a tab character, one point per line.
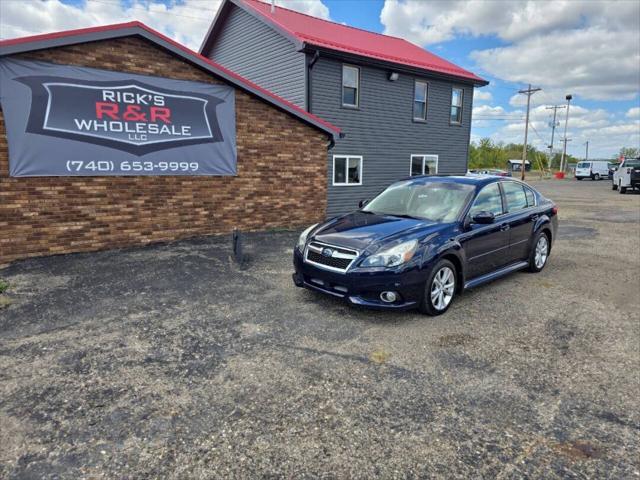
621	190
614	186
539	252
596	177
440	288
578	178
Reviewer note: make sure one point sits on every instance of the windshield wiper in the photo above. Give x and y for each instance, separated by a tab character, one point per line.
404	215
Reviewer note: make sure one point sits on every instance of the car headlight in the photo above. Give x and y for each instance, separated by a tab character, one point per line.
392	257
302	240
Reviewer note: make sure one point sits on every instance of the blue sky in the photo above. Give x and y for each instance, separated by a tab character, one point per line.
590	48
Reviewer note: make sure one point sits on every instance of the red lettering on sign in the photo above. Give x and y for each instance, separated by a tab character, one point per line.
108	109
160	113
134	114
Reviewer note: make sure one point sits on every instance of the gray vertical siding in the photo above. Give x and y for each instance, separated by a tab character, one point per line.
383	130
254	50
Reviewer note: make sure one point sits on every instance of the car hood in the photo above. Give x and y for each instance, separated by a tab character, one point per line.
359	230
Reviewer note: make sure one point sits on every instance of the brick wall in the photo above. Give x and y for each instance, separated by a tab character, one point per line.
281	179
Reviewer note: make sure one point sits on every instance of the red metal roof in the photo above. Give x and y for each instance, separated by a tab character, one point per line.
335	36
50	40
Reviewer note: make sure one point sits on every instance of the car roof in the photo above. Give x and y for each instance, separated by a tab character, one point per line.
478	180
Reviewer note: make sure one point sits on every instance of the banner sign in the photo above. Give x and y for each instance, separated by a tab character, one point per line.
77	121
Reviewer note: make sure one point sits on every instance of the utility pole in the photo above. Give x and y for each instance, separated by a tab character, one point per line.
586	153
529	91
555	109
566	122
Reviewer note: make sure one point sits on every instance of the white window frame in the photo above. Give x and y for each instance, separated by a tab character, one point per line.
350	105
426	100
424	160
346	173
461	106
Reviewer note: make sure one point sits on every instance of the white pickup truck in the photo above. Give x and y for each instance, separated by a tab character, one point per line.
627	175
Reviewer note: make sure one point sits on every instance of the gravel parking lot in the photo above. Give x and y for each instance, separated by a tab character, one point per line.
171	362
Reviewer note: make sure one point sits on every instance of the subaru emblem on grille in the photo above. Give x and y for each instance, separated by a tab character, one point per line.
327	252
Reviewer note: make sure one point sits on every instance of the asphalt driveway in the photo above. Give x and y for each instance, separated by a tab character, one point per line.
171	362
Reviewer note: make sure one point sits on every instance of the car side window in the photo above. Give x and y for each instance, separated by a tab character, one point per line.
531	197
488	200
515	196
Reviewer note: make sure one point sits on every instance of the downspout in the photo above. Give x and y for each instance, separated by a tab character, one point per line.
310	65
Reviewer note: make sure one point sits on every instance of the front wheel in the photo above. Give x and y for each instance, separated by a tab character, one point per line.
578	178
614	186
439	289
596	176
539	252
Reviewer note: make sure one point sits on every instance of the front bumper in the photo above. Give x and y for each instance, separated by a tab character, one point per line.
362	288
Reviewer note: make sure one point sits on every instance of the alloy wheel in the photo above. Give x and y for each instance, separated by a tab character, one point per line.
442	288
542	252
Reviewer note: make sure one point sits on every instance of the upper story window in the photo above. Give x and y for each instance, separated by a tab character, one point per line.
347	170
456	105
350	86
420	101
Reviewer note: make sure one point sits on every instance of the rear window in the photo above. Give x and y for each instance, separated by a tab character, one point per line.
632	163
584	165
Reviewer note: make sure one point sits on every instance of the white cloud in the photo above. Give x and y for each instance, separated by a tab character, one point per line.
314	8
482	95
584	47
633	112
186	21
594	63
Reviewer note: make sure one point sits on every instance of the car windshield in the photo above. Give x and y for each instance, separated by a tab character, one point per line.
434	201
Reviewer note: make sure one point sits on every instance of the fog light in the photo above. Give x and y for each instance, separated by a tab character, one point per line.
388	297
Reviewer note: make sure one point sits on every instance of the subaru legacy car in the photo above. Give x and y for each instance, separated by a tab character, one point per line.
425	239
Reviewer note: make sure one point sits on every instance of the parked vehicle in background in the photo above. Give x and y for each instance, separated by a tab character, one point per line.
491	171
595	170
426	239
627	175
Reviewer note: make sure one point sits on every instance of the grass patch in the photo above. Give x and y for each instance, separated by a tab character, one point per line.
4	286
379	356
4	302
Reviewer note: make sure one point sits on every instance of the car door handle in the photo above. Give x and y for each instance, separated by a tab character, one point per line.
504	227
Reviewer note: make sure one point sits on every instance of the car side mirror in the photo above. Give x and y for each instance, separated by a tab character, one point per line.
362	203
483	218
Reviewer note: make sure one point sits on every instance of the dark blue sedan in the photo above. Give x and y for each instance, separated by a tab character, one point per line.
425	239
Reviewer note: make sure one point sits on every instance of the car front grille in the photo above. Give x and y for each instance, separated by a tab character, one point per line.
330	257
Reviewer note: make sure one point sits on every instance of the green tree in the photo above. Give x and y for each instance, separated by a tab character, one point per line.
629	152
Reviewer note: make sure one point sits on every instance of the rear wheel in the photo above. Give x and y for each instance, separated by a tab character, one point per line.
578	178
439	289
596	176
614	186
539	253
621	189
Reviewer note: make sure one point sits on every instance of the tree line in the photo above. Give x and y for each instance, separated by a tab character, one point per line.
489	154
486	153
